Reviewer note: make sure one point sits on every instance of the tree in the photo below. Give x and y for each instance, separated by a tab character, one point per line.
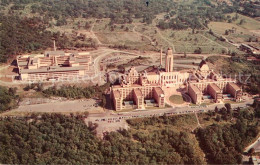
228	106
211	32
185	55
218	118
251	151
226	32
39	87
198	50
242	21
27	88
87	25
216	109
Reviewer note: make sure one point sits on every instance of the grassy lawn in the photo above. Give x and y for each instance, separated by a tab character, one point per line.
242	33
176	99
206	104
124	110
203	104
232	102
230	47
185	41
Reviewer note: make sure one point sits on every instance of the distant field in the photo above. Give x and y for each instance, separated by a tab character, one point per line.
185	41
249	29
121	38
220	27
250	23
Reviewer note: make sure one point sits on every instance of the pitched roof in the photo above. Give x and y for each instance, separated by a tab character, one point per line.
235	86
138	92
158	90
215	87
116	94
195	88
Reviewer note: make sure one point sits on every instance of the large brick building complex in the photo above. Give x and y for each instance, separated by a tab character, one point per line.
53	65
140	90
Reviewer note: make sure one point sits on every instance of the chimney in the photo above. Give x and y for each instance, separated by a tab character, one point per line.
54	45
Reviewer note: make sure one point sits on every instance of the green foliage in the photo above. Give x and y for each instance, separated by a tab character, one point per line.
198	50
22	35
257	108
8	98
225	144
119	12
56	139
250	8
75	92
70	92
195	16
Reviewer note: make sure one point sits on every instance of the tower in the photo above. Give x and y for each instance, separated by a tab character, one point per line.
161	58
54	45
169	61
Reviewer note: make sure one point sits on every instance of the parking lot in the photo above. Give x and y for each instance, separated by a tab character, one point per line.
115	121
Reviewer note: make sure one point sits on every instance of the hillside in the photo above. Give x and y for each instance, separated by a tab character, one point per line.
76	24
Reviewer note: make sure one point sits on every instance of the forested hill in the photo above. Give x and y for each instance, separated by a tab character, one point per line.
23	23
58	139
21	35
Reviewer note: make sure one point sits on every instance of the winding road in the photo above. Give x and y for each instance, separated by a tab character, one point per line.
142	35
93	34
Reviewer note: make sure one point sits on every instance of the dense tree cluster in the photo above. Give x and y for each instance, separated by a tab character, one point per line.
249	8
8	98
224	144
195	16
56	139
256	105
70	92
21	35
122	11
76	92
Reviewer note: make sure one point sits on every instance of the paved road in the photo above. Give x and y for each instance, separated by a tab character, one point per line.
158	112
68	106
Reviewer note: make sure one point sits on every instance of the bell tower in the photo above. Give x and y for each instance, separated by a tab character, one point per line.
169	61
161	58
